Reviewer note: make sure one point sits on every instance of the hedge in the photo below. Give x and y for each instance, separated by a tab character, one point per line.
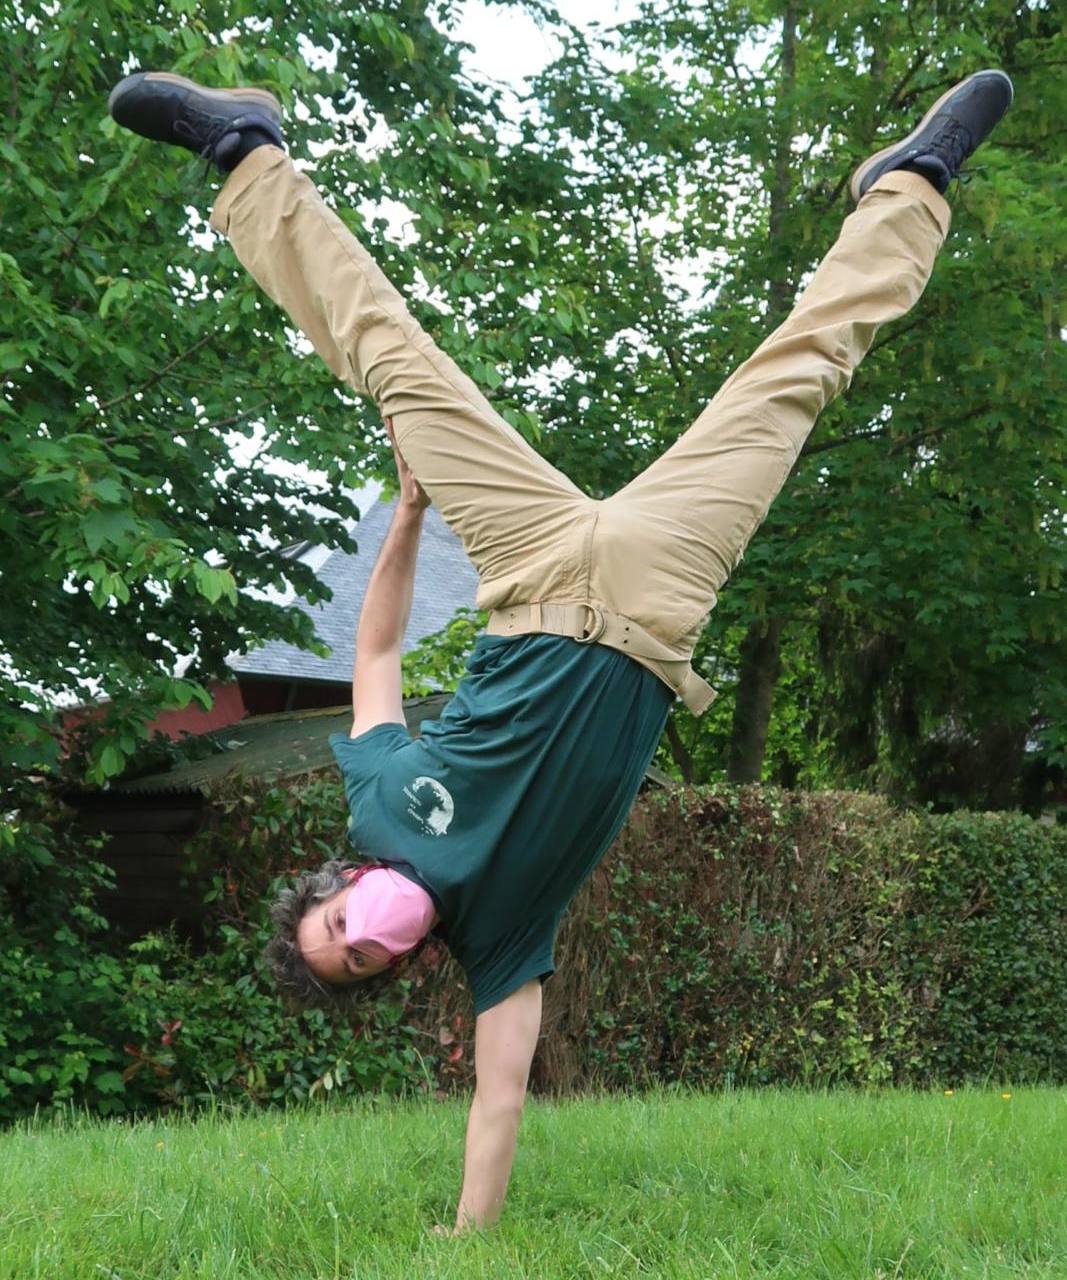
730	937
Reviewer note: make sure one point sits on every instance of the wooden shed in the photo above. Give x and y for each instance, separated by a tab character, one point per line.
149	819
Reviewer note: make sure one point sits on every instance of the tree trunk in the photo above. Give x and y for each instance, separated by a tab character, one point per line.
679	751
779	285
758	674
760	659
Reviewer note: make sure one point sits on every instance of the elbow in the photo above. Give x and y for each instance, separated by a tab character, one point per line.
378	645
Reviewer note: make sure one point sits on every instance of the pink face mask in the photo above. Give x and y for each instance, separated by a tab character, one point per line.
386	915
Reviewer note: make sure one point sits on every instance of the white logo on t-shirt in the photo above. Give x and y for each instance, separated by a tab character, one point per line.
430	805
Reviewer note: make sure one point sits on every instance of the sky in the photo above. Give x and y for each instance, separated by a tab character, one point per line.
510	46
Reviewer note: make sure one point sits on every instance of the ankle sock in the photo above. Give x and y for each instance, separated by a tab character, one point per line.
234	147
930	168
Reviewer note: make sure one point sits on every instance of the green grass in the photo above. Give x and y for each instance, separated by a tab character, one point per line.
768	1184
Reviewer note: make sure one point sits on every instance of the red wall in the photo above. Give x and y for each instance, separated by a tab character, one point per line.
233	701
227	708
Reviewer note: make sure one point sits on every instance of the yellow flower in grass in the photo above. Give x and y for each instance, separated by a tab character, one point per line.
949	1093
1005	1096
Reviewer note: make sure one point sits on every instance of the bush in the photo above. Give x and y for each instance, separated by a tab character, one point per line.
752	936
983	943
61	1015
90	1021
731	936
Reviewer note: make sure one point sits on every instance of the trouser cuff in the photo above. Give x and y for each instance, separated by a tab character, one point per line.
911	184
255	163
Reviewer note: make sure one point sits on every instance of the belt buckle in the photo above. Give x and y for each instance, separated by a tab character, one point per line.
598	627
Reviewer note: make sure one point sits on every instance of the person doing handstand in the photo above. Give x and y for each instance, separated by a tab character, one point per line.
480	831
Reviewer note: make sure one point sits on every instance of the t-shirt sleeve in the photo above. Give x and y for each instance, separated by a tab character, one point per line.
362	759
511	964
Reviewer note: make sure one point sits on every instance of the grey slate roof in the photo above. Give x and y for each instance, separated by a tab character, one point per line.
445	580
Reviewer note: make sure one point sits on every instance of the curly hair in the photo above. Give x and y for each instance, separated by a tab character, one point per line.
298	986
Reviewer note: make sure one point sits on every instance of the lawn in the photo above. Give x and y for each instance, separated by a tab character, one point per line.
769	1184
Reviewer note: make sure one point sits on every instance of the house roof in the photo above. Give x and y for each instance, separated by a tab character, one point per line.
292	743
445	580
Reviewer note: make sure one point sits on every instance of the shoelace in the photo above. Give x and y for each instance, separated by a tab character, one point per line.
952	144
196	125
199	126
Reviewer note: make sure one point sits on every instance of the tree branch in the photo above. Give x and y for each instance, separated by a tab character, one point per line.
648	268
916	64
898	331
156	377
898	446
857	437
220	425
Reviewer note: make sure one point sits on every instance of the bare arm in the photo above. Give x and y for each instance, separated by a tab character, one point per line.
504	1042
376	685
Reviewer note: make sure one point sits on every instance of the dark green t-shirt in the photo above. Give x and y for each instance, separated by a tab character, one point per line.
506	803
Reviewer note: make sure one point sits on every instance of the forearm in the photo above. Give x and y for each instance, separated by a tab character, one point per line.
387	603
492	1132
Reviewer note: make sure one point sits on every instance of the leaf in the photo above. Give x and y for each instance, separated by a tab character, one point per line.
120	289
111	761
107	525
213	584
110	1082
182	693
108	490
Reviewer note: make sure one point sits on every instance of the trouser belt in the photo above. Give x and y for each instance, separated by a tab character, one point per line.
590	624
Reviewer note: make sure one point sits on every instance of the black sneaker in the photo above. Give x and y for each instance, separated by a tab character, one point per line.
954	127
220	125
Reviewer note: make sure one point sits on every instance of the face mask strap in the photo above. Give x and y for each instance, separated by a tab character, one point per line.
355	874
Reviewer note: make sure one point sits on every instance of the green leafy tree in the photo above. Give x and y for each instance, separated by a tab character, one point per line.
924	522
133	362
599	265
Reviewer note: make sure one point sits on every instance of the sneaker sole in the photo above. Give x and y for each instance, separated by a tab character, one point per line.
261	98
903	143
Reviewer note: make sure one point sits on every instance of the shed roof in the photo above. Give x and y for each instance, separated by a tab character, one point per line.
278	746
281	746
445	580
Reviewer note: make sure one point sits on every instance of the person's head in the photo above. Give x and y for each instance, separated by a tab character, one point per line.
310	959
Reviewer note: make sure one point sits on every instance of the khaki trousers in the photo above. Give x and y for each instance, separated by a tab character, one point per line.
638	571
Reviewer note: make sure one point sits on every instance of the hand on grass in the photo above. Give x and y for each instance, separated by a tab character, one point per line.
412	494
